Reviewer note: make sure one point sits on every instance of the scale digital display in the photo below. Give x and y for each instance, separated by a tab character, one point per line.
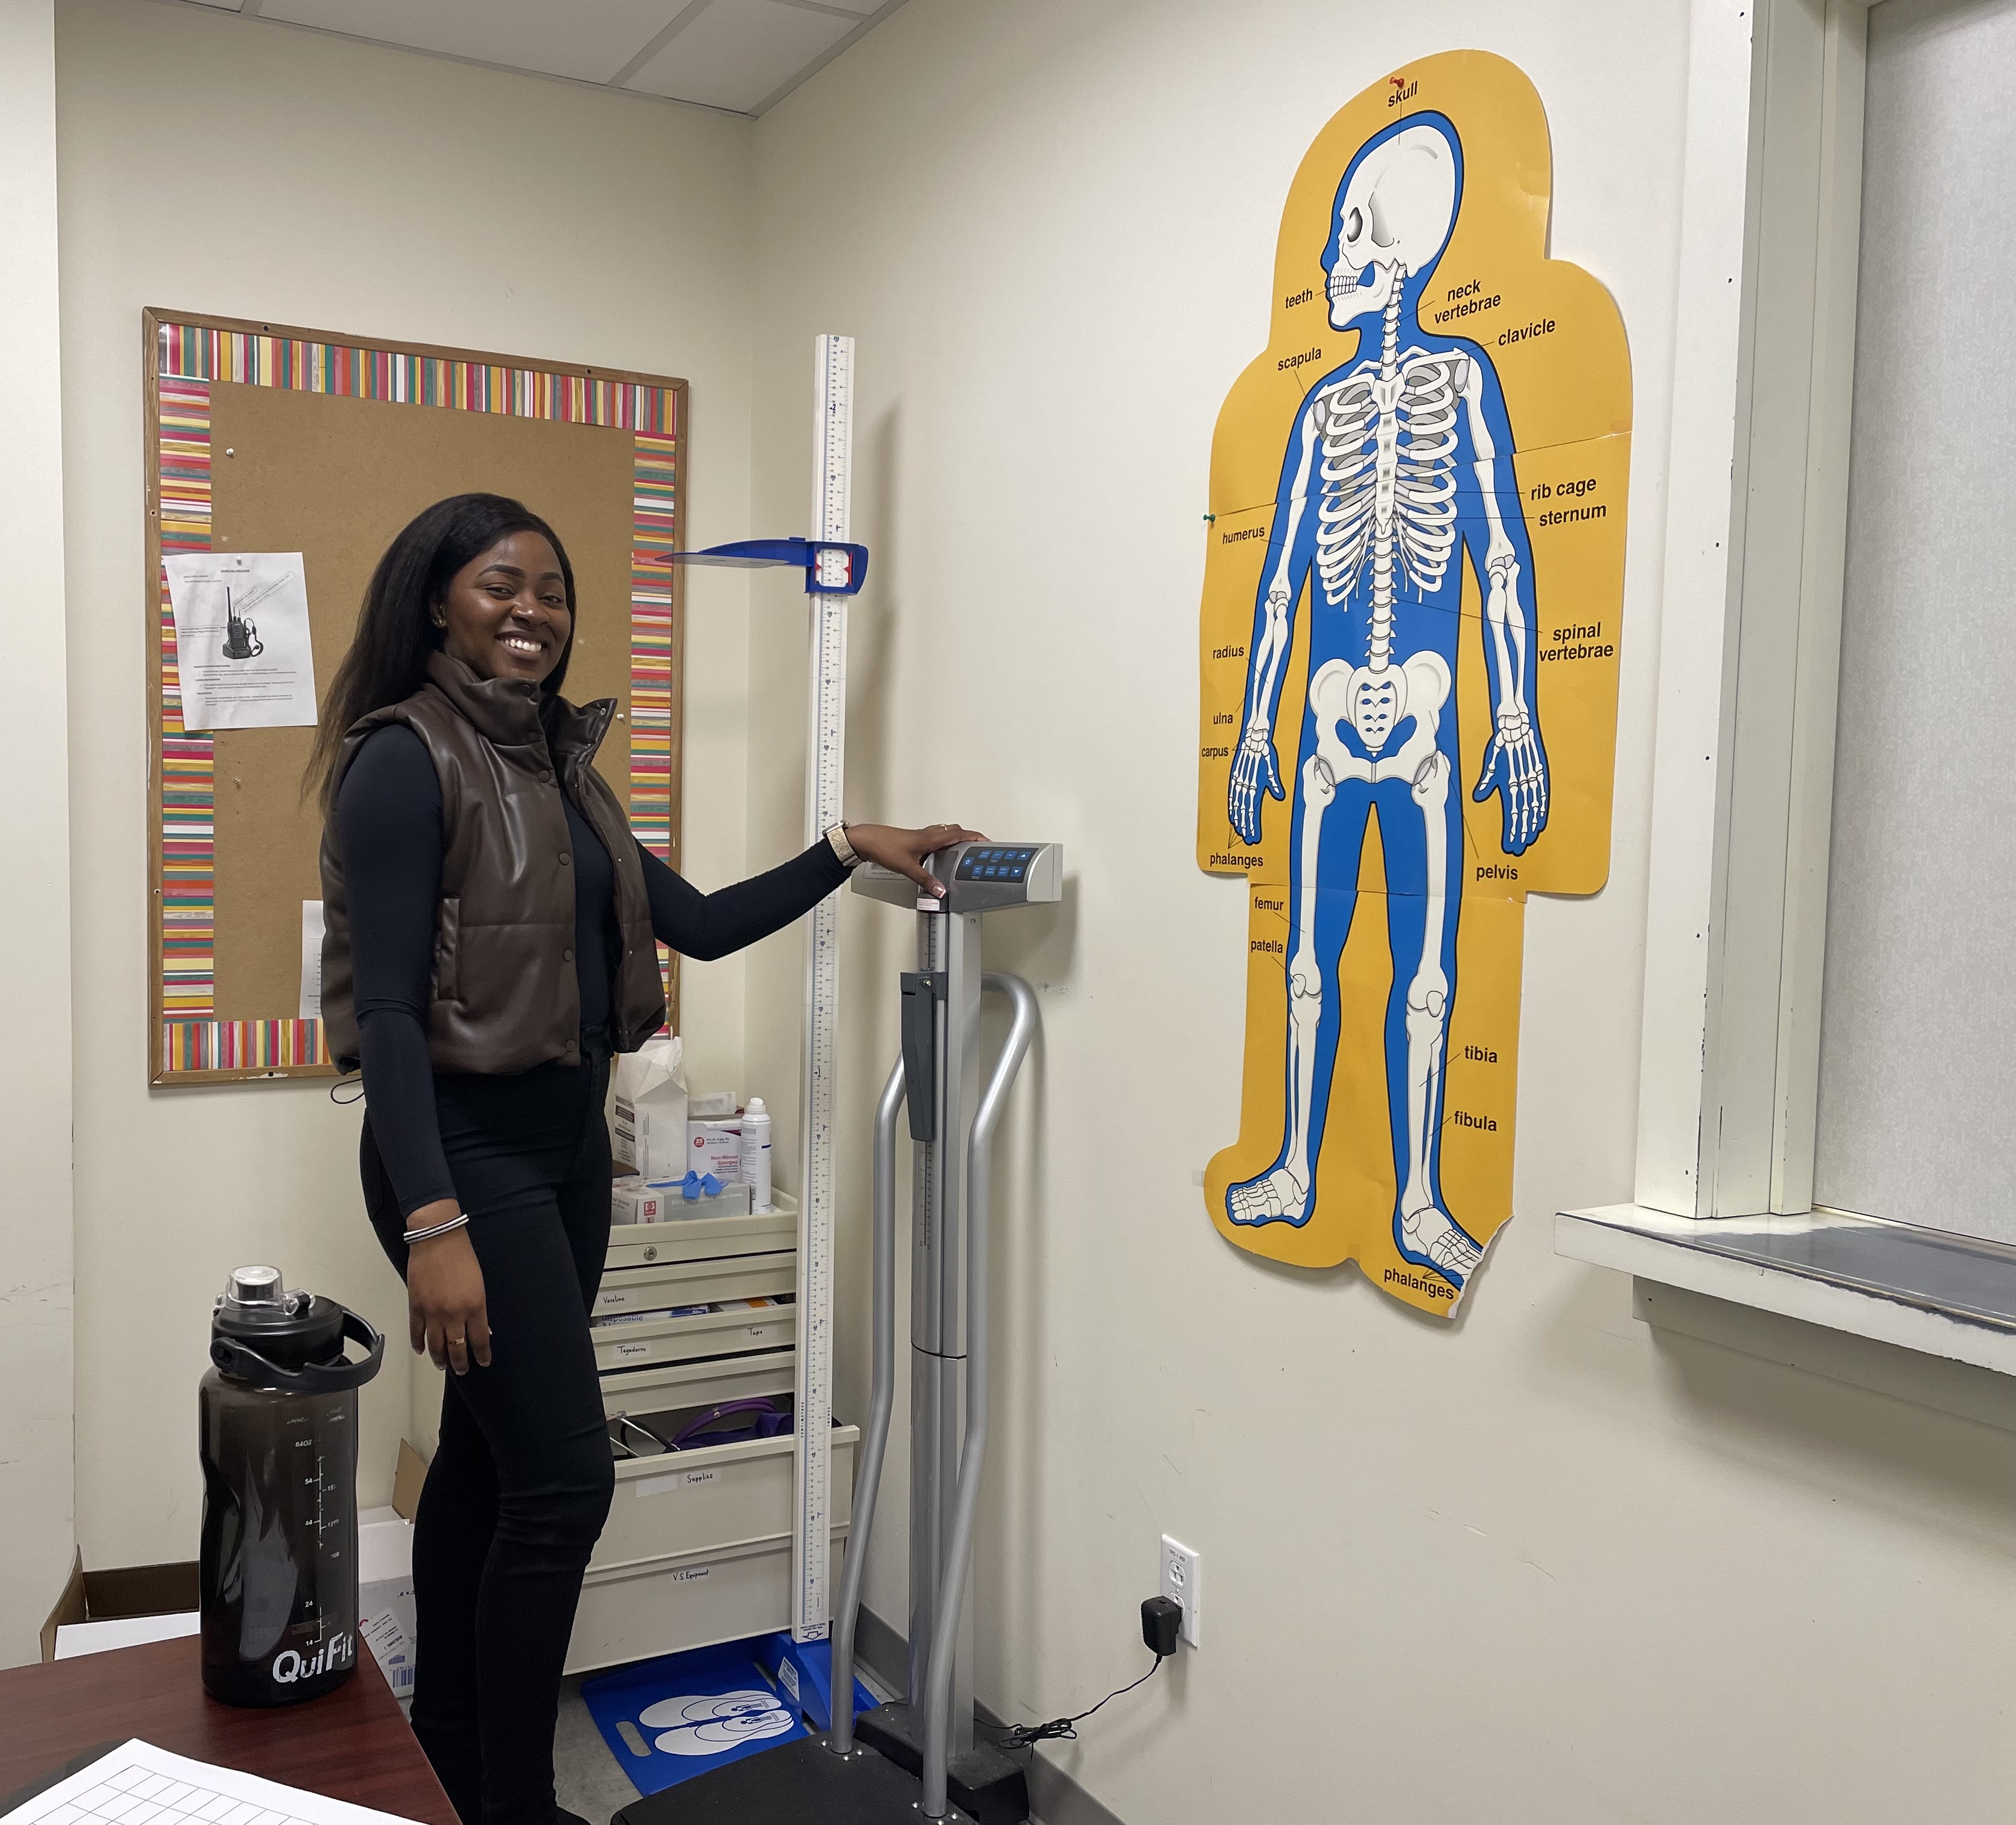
993	863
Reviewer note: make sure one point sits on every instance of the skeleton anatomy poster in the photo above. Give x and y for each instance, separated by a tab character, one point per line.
1409	657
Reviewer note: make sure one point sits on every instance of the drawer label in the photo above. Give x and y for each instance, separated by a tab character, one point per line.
759	1330
678	1480
691	1573
633	1349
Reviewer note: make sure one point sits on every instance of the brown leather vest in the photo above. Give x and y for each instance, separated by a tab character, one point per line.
505	996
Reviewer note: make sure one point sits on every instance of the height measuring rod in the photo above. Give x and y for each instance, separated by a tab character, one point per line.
812	1461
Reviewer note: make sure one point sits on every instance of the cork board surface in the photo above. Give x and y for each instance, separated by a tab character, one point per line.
335	478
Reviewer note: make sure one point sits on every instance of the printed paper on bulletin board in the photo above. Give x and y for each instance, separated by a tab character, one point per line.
264	440
1411	606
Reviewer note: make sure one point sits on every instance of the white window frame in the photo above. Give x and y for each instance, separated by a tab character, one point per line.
1750	644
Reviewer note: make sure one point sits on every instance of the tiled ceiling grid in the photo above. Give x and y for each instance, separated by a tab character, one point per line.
740	55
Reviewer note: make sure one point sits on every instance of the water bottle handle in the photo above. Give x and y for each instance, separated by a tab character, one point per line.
234	1357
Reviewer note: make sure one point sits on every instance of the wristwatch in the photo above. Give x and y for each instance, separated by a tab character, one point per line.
844	852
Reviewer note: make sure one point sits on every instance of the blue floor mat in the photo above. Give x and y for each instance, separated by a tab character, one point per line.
667	1719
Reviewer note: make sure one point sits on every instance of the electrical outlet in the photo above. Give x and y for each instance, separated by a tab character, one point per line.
1182	1580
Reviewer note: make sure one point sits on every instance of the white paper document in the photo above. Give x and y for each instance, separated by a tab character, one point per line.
312	960
138	1784
242	644
77	1639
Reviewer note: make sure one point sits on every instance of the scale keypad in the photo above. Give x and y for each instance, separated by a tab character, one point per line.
996	863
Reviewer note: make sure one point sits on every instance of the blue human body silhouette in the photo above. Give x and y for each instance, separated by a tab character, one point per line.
1398	471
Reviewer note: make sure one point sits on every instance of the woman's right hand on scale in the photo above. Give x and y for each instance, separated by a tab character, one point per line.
903	851
446	1314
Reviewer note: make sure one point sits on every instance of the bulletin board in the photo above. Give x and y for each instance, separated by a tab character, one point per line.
263	438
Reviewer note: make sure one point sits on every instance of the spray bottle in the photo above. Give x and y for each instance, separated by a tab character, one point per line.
756	1153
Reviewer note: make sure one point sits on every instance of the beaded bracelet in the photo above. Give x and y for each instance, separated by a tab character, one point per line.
457	1222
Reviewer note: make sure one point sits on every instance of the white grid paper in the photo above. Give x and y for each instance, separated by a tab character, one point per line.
138	1784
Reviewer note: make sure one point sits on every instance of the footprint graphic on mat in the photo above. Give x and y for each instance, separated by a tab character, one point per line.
713	1721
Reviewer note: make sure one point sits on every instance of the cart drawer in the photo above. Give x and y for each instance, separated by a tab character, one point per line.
703	1238
633	1344
692	1501
698	1384
659	1284
634	1612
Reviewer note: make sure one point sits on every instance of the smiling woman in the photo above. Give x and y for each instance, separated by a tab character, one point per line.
491	932
513	606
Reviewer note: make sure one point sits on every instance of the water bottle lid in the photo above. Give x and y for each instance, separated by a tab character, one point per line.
289	1329
256	1286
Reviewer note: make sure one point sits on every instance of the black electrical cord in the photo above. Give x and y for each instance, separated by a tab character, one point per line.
1065	1728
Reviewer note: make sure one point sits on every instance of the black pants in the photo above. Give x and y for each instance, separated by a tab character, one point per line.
521	1482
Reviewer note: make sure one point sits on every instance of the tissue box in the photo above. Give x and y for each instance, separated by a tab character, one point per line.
631	1201
636	1200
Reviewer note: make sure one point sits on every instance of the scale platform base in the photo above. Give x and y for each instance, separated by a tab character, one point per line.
803	1782
983	1782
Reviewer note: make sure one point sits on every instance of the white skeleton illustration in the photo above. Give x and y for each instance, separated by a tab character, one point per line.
1392	471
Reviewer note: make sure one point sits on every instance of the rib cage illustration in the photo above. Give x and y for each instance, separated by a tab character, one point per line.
1389	480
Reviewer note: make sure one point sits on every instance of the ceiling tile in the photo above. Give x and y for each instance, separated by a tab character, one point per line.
738	52
588	39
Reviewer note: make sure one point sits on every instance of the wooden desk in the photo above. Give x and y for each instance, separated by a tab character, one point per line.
351	1744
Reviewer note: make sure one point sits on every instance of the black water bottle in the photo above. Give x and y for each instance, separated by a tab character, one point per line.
277	1419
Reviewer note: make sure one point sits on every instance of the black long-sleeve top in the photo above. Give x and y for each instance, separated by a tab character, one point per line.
389	823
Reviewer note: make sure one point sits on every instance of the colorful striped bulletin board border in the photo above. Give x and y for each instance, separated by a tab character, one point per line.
185	354
306	363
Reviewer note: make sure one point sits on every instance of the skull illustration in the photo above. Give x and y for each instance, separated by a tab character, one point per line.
1395	211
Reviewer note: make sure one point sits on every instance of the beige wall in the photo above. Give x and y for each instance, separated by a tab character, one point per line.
36	1458
215	165
1549	1564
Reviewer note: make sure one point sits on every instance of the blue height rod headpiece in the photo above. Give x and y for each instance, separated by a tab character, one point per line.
830	569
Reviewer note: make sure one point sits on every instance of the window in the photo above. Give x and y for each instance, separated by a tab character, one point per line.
1917	1055
1829	967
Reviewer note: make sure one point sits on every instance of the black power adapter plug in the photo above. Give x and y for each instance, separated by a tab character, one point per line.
1161	1625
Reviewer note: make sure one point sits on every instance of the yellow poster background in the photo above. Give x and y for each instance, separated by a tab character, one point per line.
1556	341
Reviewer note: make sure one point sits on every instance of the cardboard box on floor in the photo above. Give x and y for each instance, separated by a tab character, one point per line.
408	1474
119	1593
385	1612
133	1592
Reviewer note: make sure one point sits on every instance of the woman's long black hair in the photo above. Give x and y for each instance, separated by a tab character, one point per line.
387	661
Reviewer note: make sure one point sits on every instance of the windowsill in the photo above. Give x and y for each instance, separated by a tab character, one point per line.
1923	1290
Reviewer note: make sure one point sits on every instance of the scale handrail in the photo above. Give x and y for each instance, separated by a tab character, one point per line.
973	1456
881	1399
